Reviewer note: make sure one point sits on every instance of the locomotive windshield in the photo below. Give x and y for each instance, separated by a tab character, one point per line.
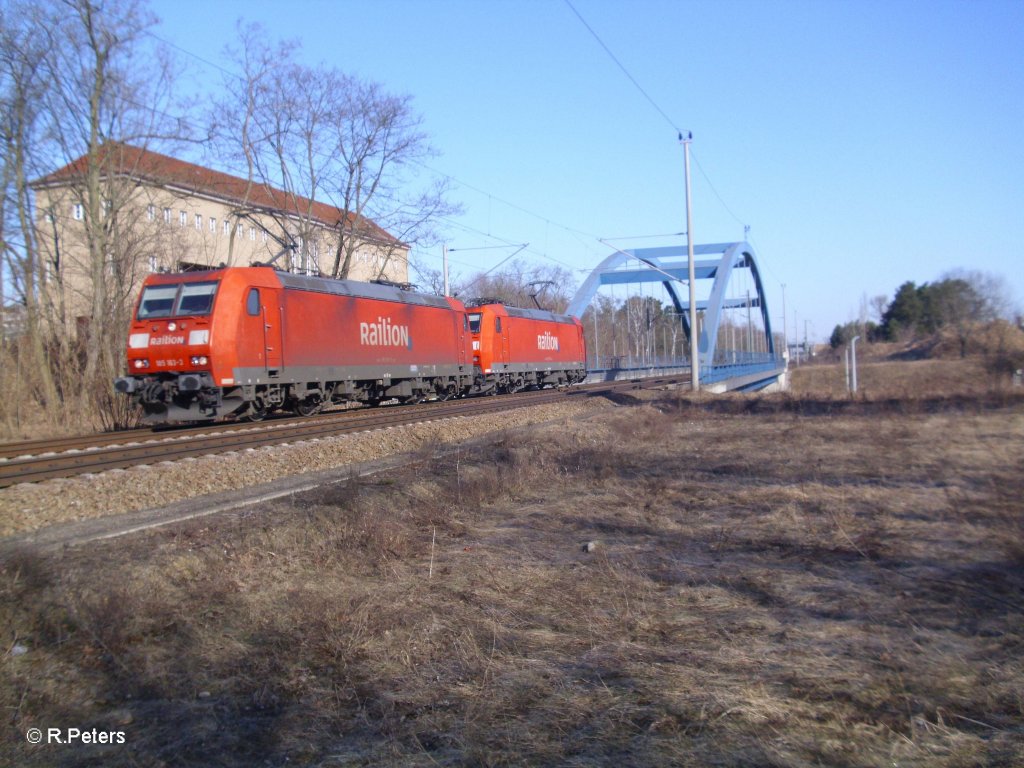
177	300
474	322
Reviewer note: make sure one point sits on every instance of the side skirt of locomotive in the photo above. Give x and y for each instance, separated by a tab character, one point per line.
515	378
195	396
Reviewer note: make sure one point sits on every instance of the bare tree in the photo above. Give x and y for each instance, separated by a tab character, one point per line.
24	41
79	77
965	300
316	134
277	119
879	305
522	285
379	139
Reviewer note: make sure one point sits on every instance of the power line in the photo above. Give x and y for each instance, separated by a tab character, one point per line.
512	205
643	237
624	70
708	180
197	57
654	104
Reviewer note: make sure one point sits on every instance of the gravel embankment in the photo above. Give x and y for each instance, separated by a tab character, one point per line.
30	506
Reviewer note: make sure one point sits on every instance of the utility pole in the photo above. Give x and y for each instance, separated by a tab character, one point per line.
694	352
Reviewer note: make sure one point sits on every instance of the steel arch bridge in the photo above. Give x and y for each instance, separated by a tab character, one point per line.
670	267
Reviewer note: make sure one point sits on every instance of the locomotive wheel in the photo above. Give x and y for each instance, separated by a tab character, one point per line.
307	407
257	410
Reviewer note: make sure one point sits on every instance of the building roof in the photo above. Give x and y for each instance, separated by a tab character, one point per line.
165	171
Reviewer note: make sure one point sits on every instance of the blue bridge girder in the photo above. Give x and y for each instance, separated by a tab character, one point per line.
669	266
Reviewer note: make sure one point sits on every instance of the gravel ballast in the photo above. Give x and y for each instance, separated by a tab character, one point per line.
31	506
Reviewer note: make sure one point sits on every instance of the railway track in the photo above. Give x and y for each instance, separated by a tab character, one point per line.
155	434
35	461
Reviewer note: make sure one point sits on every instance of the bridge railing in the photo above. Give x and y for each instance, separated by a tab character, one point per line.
757	362
739	357
727	366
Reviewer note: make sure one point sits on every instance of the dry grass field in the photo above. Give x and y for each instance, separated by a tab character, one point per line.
787	580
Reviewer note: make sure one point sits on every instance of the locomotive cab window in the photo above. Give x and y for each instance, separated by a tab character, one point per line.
497	325
474	323
196	298
157	301
176	300
252	302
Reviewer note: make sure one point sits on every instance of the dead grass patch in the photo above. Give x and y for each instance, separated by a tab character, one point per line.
764	589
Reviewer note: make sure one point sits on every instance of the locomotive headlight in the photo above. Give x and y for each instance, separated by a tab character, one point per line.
142	363
200	360
172	326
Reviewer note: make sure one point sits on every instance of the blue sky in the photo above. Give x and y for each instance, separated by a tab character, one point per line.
864	143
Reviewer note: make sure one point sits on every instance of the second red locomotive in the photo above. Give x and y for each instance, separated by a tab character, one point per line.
516	349
245	341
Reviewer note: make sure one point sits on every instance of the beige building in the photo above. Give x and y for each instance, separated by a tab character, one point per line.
159	213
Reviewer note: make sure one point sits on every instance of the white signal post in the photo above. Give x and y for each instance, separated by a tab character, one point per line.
853	365
694	352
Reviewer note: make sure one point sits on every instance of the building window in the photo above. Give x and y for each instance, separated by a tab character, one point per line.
152	262
78	212
167	215
199	223
241	229
264	235
313	261
227	227
150	212
252	234
183	218
213	225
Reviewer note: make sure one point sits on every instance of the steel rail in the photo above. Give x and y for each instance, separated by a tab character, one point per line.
163	433
153	447
159	433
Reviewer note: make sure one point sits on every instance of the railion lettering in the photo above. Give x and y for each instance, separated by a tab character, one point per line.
547	341
384	333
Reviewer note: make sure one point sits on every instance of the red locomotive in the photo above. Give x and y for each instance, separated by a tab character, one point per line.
245	341
515	348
